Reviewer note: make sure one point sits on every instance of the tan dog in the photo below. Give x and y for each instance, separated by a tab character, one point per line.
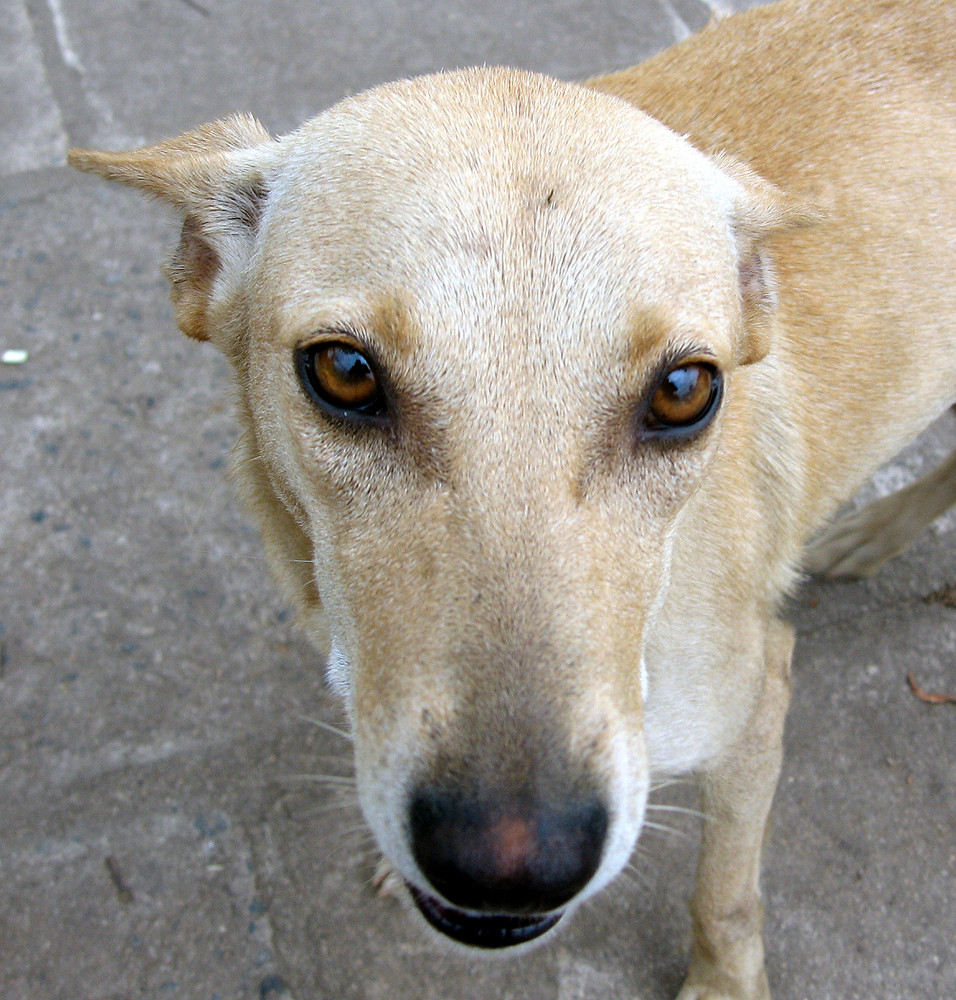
543	398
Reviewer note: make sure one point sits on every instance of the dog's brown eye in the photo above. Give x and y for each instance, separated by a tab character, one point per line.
685	398
342	377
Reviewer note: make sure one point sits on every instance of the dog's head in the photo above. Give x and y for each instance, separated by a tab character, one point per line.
487	330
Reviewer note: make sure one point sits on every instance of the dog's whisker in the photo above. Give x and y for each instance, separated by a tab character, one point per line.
661	784
323	779
636	876
665	831
359	831
341	756
351	844
311	779
327	726
630	879
340	807
682	810
309	584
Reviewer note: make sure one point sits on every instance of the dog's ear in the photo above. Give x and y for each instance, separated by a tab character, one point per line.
217	177
763	213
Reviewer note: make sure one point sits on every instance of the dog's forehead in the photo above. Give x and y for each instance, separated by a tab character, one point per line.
453	185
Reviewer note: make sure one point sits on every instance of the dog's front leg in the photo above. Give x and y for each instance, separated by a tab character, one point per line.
727	962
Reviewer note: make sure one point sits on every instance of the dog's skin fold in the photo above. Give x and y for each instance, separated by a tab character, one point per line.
542	396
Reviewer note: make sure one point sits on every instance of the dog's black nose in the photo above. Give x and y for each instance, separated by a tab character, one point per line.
514	856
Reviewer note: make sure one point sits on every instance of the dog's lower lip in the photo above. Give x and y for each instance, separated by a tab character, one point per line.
481	930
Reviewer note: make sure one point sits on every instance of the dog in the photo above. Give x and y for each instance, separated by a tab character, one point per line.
543	388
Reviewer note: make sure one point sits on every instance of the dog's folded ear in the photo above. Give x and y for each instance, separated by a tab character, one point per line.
761	215
217	177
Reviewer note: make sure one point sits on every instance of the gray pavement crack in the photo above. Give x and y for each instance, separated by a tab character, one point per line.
64	70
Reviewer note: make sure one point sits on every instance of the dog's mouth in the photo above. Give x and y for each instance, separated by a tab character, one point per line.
481	930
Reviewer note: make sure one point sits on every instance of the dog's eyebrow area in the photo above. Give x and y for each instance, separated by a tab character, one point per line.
375	318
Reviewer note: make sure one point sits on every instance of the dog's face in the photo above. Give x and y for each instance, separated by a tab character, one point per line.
485	328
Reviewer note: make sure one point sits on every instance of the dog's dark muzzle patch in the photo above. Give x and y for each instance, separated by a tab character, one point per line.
481	930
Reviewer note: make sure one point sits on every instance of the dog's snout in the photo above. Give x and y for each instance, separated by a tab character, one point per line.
516	856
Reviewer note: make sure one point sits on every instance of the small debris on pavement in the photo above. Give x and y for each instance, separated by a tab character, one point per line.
946	596
123	891
930	697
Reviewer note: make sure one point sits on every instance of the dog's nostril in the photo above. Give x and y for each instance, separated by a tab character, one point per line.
506	856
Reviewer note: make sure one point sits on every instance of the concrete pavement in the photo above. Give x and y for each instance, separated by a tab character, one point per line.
161	831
